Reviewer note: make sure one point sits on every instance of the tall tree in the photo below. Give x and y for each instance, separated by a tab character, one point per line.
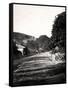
59	31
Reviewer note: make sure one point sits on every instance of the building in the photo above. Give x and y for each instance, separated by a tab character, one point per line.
20	48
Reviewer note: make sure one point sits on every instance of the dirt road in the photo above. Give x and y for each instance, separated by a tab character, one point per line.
38	69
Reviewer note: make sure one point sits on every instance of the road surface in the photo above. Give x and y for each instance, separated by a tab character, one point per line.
38	69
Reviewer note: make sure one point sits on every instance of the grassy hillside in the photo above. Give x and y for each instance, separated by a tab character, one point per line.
20	37
32	43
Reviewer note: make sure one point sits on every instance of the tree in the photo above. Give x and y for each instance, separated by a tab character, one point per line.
14	48
32	44
43	42
59	31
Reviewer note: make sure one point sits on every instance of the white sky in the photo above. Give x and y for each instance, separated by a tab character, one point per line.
35	20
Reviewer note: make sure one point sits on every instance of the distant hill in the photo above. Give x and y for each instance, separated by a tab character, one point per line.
31	42
22	38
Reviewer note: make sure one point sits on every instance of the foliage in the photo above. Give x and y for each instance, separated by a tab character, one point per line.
43	42
15	52
59	31
14	48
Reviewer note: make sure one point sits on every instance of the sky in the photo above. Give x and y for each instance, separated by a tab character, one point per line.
35	20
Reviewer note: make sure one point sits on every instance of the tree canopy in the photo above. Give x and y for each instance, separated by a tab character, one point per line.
59	31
